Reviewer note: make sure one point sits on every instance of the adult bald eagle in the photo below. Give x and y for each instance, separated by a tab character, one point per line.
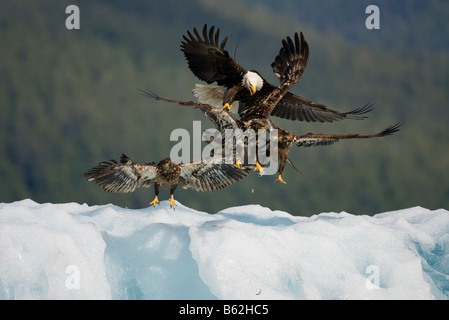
200	175
223	120
210	62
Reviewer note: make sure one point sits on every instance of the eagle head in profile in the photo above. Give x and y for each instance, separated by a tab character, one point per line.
252	81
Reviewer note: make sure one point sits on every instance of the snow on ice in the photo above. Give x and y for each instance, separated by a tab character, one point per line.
73	251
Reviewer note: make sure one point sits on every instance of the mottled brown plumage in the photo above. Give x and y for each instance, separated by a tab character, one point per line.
223	120
201	175
288	139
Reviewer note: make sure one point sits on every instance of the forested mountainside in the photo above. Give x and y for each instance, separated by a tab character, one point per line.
70	98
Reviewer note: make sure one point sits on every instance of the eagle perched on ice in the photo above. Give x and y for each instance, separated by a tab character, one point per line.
201	175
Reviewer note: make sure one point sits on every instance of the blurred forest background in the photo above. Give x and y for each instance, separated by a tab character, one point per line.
69	98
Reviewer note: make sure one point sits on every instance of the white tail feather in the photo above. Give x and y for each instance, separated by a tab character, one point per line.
212	95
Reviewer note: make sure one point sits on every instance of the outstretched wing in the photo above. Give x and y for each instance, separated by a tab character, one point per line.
207	58
190	104
318	139
122	177
290	63
220	117
288	67
294	107
210	175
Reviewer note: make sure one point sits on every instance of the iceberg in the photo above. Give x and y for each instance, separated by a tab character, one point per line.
77	251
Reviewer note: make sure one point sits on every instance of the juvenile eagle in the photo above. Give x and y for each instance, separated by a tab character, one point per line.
288	139
200	175
210	62
223	120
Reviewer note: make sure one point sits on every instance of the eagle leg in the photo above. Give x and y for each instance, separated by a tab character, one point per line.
172	198
154	202
279	179
258	168
282	162
239	164
156	191
172	202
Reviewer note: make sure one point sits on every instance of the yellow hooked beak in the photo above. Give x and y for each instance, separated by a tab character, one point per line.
252	90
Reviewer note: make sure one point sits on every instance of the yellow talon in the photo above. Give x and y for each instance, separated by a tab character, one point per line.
279	179
258	168
239	164
172	202
154	202
227	106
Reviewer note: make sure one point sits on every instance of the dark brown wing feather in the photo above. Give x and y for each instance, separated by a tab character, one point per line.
288	67
290	63
294	107
318	139
208	60
190	104
220	117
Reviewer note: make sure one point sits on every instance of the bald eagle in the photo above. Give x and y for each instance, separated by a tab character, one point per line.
210	62
223	120
201	175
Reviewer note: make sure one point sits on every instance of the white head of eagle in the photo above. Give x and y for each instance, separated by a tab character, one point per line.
252	81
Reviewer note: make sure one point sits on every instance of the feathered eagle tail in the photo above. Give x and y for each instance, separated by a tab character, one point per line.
209	94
